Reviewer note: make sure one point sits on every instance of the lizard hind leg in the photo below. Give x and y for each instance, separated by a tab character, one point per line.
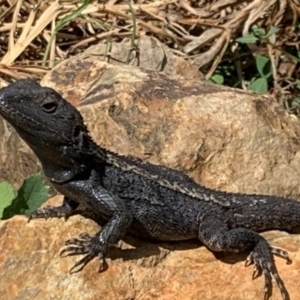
216	235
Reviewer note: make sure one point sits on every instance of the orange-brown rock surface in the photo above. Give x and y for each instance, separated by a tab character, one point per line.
31	268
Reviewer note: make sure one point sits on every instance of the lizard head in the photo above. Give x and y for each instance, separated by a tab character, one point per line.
40	115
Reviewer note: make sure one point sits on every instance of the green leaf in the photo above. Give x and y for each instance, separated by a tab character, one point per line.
74	14
34	191
247	39
258	31
263	65
32	194
272	31
16	207
217	78
6	196
259	85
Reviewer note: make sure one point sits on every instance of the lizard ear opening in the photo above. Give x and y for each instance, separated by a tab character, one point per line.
77	131
80	136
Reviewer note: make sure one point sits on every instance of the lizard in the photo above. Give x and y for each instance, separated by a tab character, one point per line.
129	195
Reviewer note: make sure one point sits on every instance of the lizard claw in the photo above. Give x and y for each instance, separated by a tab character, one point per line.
257	270
88	245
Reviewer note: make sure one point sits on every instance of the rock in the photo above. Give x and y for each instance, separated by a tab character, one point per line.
152	55
31	268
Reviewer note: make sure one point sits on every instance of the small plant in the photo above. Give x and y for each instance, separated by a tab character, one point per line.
31	195
257	34
259	83
217	78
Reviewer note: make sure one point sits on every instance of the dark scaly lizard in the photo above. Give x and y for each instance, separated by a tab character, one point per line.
129	195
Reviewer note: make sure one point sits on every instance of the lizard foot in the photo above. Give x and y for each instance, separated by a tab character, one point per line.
88	245
263	262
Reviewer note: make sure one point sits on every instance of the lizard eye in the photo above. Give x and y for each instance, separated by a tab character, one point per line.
50	107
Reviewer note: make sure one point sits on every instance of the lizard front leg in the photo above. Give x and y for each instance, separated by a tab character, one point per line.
67	209
111	233
218	236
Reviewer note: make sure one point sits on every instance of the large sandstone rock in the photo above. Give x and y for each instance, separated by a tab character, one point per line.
224	138
31	268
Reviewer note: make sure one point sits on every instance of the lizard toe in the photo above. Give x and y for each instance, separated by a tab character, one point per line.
281	253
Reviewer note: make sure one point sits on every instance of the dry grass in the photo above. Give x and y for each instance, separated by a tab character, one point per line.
36	35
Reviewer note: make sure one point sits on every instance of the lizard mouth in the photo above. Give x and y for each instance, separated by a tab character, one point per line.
21	121
13	116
